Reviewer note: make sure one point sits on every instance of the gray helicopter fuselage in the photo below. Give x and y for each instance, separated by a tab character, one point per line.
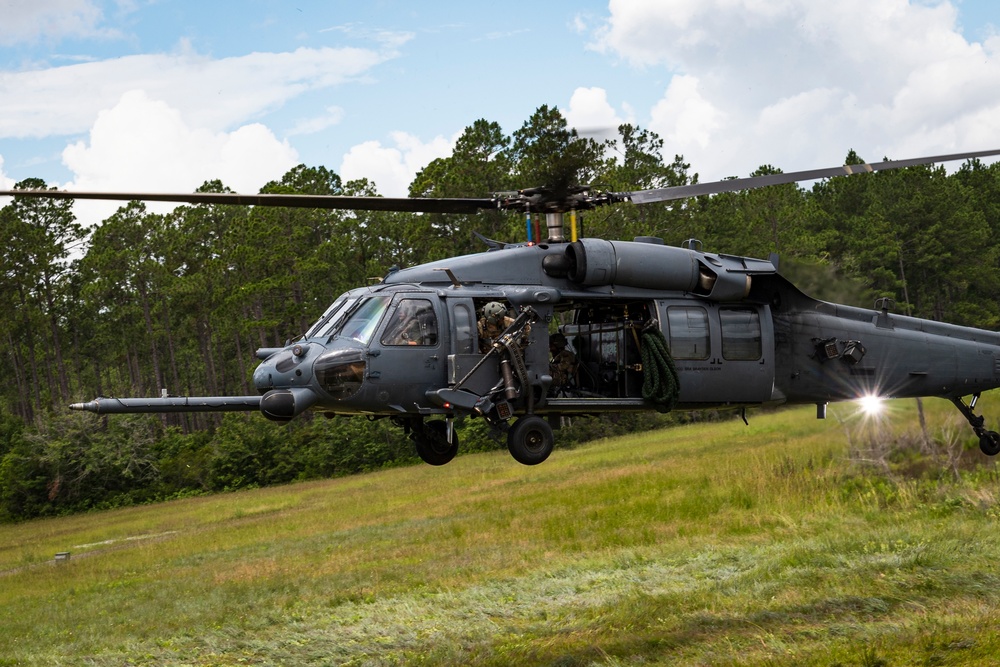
831	352
588	326
740	335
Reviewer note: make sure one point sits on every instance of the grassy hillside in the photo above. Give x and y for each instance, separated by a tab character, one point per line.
712	544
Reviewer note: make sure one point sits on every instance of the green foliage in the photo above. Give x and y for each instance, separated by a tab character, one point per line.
547	152
480	165
823	280
146	302
247	453
22	481
917	235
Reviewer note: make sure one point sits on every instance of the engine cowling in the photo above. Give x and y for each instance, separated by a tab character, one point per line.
652	265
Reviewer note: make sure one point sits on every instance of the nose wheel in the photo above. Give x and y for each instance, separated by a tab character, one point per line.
530	440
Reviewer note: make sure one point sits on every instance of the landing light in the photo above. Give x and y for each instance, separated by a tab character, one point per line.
871	405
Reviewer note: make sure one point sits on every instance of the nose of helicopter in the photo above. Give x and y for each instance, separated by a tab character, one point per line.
294	378
283	368
283	377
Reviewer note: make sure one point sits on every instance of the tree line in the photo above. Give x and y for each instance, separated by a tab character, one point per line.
148	302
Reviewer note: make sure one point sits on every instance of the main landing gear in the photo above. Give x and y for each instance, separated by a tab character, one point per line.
989	441
530	440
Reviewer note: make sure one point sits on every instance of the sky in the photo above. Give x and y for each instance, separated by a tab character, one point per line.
162	95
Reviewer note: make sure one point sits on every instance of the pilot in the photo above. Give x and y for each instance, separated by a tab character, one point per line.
413	324
562	365
493	321
405	329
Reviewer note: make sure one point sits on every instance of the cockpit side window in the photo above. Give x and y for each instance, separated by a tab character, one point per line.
325	325
362	323
412	323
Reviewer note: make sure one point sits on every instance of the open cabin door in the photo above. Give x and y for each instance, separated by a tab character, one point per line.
464	351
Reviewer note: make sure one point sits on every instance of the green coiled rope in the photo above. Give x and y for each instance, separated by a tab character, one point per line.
660	385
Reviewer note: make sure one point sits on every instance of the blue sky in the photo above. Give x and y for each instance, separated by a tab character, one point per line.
164	94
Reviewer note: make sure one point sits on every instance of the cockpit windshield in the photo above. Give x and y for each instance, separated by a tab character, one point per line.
363	318
333	315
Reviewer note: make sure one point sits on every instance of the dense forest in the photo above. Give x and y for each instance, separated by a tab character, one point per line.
147	302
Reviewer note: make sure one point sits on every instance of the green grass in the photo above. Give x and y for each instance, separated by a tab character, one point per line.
708	544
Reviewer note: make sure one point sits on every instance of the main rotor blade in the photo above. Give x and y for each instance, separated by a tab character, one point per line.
405	204
522	201
733	184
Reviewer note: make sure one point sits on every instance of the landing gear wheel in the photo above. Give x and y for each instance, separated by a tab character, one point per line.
432	443
530	440
989	443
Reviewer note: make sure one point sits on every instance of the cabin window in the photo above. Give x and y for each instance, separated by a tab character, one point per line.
689	337
741	336
464	323
412	323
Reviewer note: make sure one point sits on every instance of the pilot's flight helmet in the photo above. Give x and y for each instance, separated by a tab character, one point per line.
494	311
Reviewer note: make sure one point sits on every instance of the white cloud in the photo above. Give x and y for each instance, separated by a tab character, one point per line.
590	112
393	168
215	94
143	144
6	183
49	20
684	118
786	81
331	116
592	115
389	38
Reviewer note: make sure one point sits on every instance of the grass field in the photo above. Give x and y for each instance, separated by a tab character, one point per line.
707	544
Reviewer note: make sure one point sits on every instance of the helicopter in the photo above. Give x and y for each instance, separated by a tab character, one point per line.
647	326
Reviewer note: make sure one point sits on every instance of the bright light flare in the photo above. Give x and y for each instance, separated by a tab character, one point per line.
871	405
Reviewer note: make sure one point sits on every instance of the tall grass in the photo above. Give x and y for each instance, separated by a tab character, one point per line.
717	544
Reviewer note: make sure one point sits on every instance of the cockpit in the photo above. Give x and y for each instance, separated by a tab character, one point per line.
362	325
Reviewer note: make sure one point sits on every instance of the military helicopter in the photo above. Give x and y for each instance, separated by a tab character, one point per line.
649	326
